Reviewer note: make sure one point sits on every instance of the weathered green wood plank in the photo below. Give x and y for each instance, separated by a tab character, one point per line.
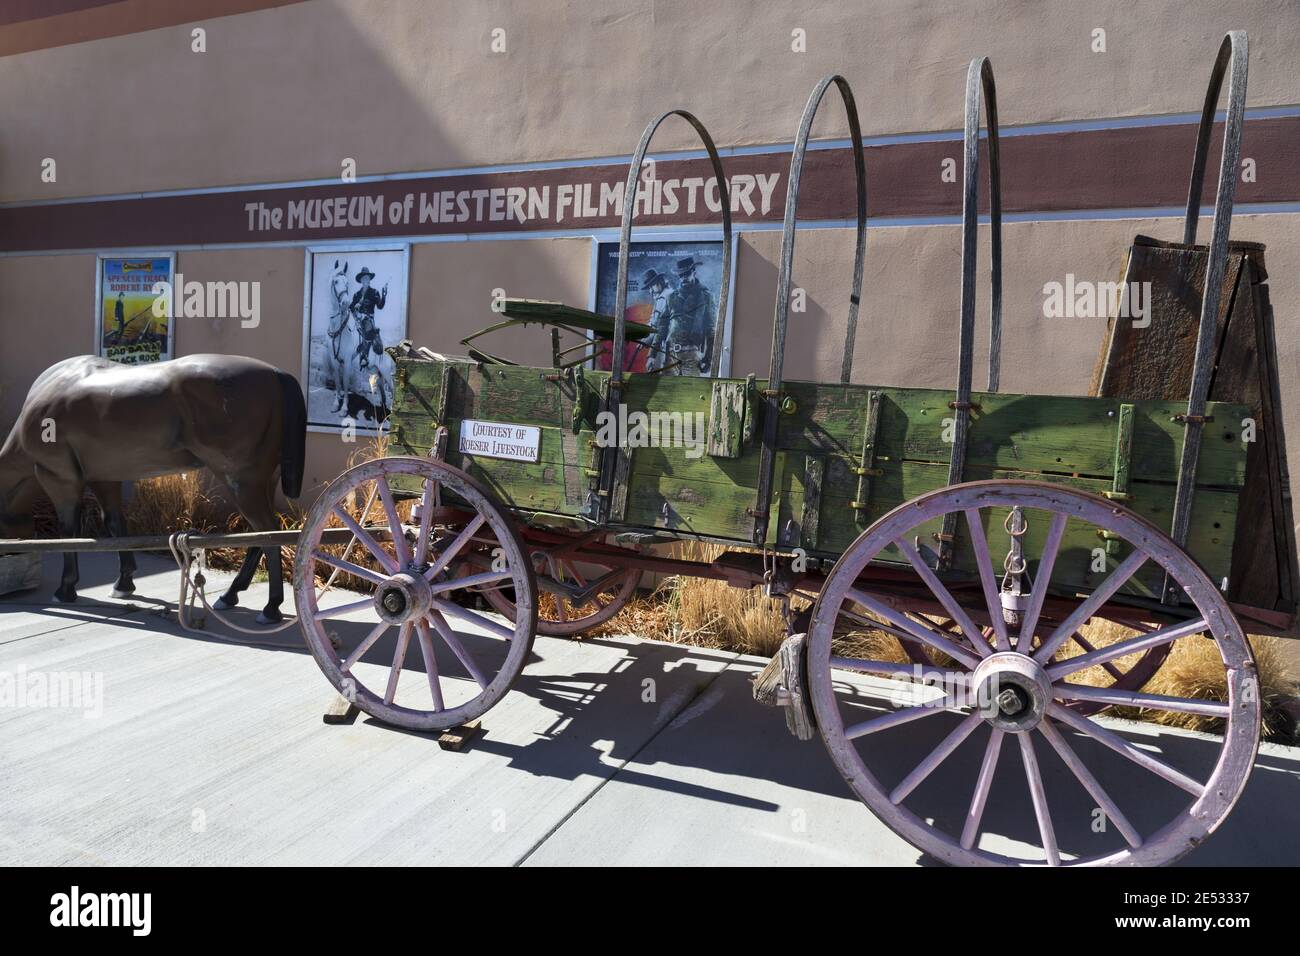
711	509
726	422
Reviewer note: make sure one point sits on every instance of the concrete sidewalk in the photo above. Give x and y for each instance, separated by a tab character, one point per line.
608	751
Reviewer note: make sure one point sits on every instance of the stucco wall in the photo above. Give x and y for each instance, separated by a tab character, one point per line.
288	93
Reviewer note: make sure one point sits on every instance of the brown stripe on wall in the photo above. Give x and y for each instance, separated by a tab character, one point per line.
1124	168
27	25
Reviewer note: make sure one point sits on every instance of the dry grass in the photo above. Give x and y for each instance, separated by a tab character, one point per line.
173	502
704	612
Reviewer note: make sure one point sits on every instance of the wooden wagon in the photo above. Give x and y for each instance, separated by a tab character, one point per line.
980	530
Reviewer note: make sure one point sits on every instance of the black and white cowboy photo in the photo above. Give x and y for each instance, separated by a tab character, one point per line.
355	310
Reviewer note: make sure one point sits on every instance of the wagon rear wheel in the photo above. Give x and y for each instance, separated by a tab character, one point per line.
999	765
409	606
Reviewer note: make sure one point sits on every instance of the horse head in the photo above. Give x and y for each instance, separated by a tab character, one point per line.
341	291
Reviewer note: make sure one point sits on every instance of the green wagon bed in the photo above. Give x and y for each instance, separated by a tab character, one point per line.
846	454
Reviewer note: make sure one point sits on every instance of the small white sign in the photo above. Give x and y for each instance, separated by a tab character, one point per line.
500	440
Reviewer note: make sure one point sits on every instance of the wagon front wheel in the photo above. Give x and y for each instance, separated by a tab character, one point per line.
411	602
998	763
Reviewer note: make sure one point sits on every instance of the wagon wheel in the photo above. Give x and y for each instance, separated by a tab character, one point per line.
574	595
469	659
1077	770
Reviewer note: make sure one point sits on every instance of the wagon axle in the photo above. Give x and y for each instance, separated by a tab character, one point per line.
1012	701
1013	691
403	598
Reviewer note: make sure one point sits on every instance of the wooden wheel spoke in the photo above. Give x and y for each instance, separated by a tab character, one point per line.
1128	698
558	577
1090	783
906	638
427	500
394	523
936	756
366	643
983	784
988	577
453	549
898	717
462	653
370	544
470	581
1039	796
353	569
958	613
1042	579
430	664
473	617
575	574
341	609
917	631
399	659
947	675
1121	746
1117	579
1107	666
1124	648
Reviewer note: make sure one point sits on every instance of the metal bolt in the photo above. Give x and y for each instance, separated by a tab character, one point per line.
394	603
1009	702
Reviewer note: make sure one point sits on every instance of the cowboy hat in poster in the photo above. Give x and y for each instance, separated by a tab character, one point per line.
674	286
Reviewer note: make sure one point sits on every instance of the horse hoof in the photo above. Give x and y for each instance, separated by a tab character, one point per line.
274	617
121	593
224	603
67	596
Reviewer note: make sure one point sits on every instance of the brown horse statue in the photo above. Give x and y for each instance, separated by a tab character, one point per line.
88	421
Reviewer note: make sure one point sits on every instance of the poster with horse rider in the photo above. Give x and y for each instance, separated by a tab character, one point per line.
355	308
673	286
132	322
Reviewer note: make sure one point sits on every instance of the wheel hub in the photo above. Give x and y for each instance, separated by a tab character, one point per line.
402	598
1012	691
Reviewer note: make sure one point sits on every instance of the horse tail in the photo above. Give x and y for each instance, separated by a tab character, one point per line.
293	440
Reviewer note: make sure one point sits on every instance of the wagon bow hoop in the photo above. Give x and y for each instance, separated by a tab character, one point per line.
625	243
781	312
979	79
608	456
1234	51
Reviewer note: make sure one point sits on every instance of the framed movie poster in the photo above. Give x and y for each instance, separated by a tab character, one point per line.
129	327
354	307
674	283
